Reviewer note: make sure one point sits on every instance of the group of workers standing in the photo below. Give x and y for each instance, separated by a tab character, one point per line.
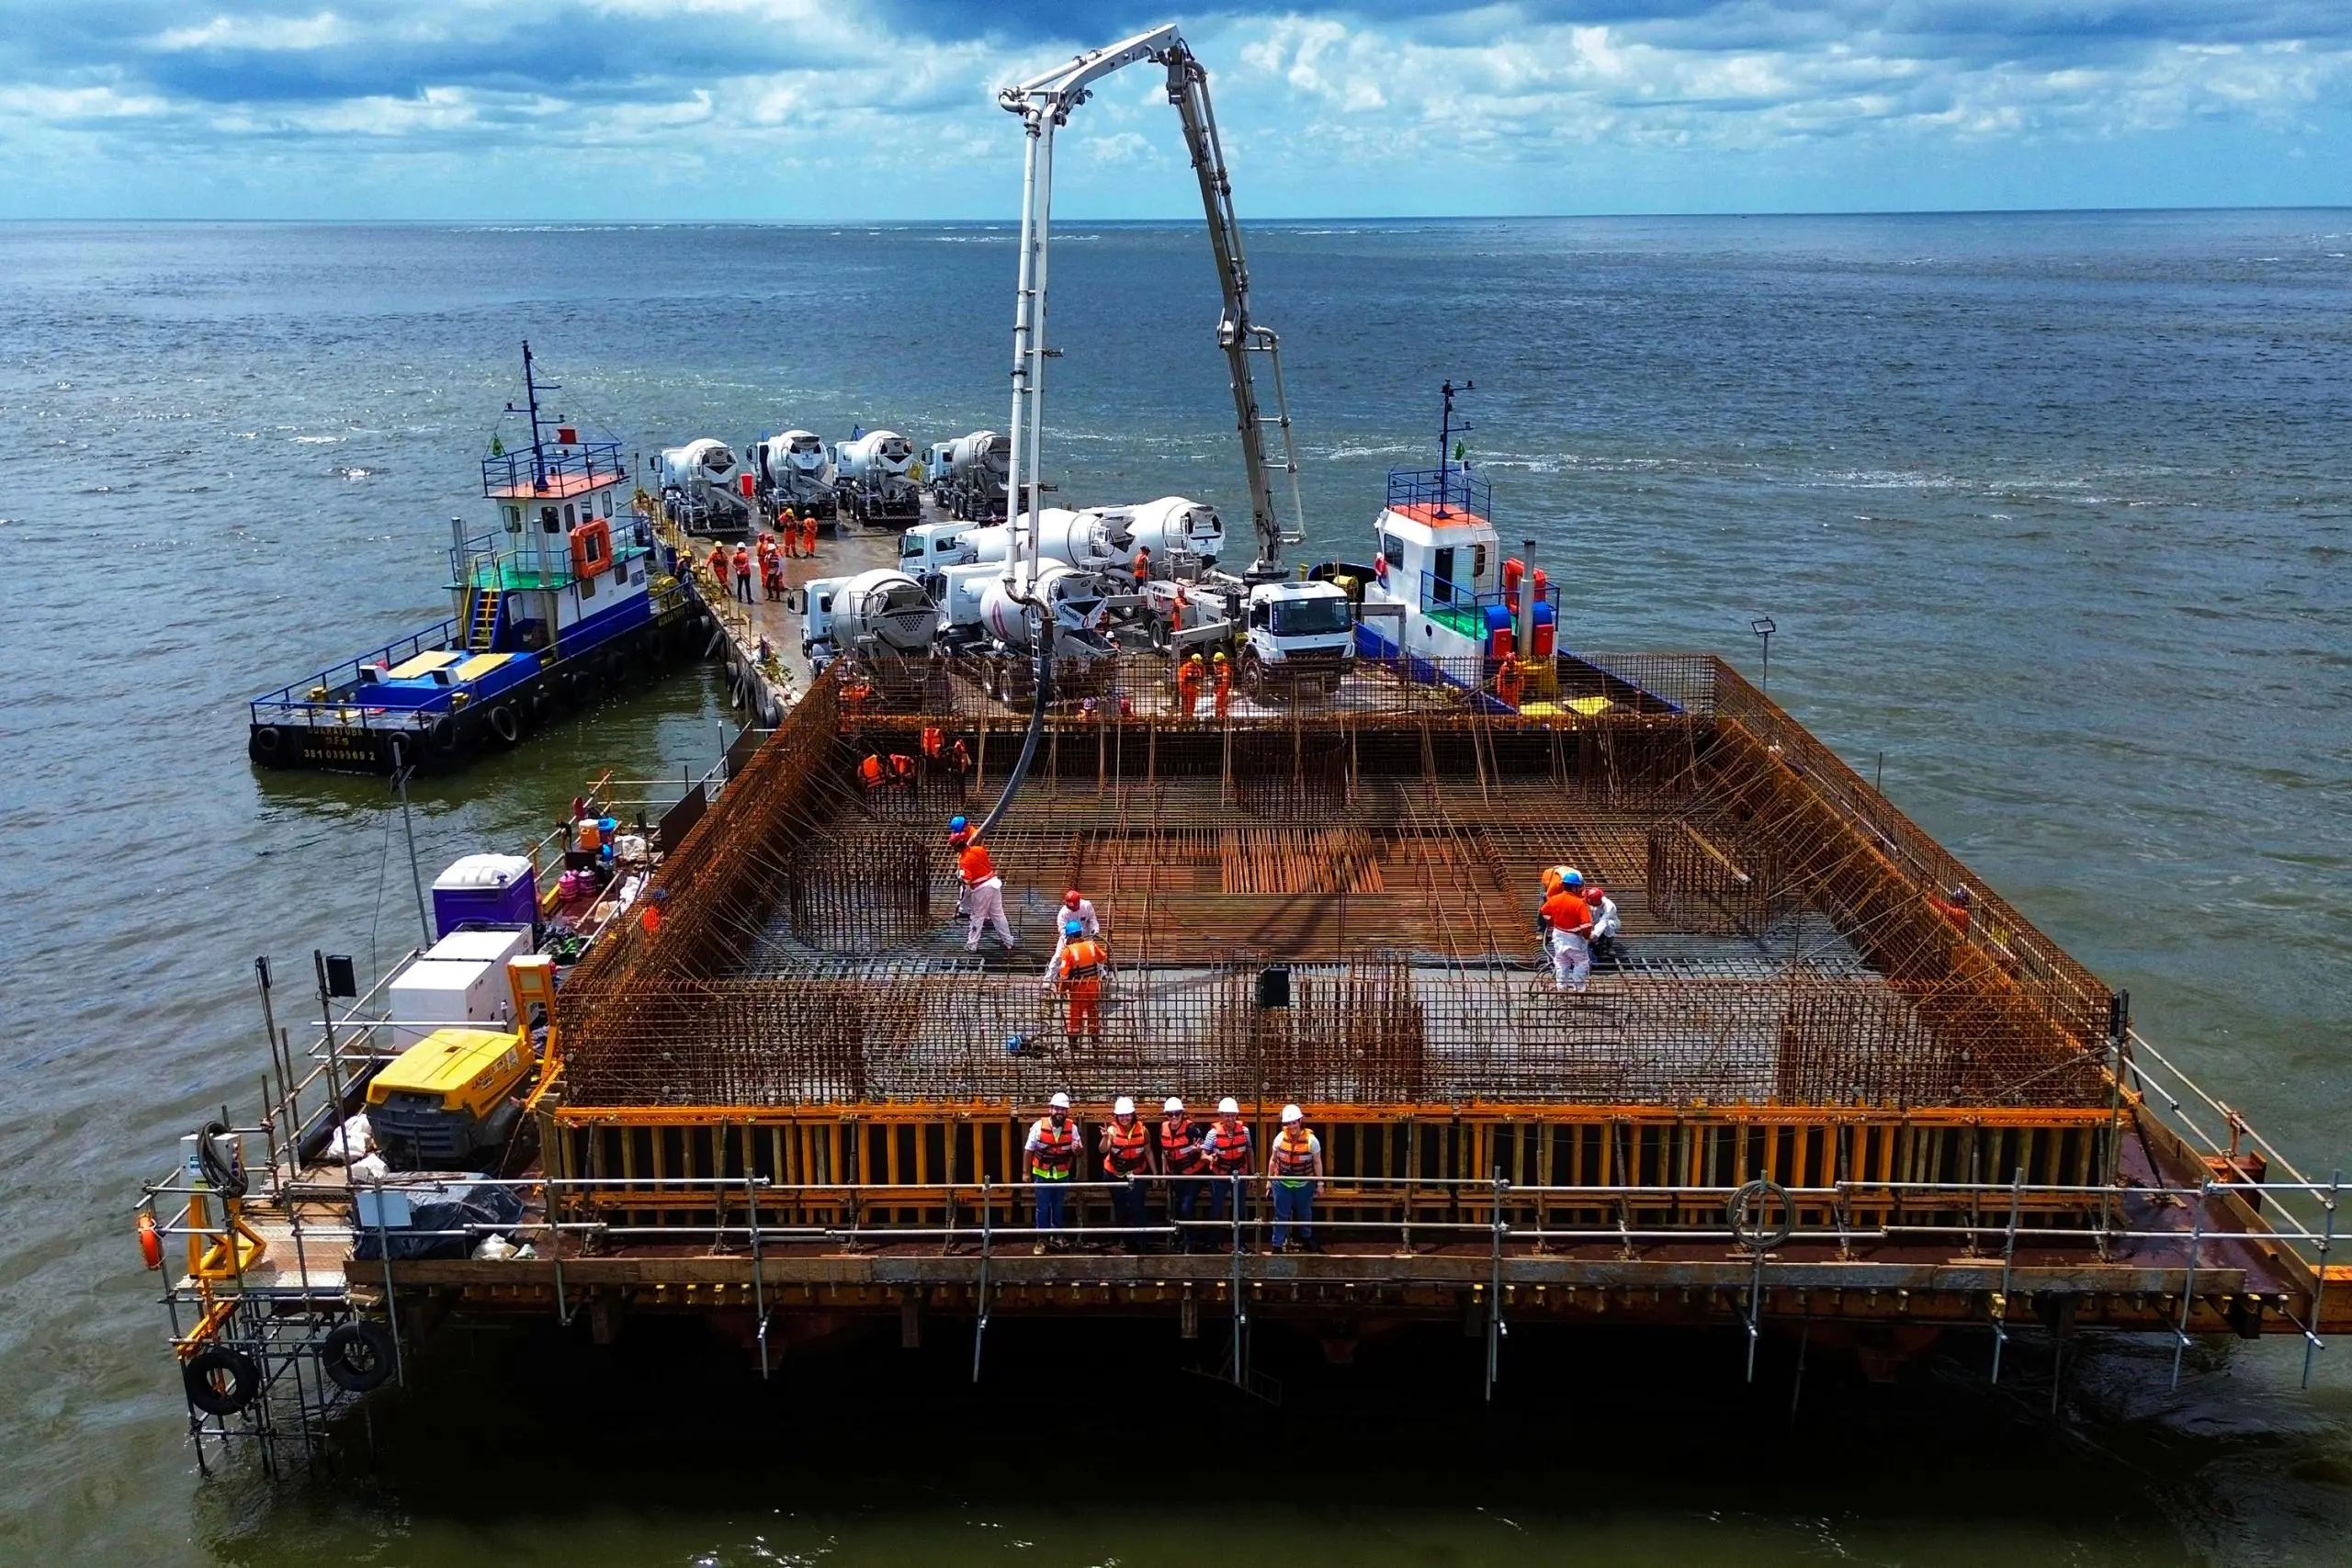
1191	674
793	537
1183	1159
1578	922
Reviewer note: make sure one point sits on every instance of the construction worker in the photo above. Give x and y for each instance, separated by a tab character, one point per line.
1127	1156
1554	877
1076	906
1140	569
1605	923
743	573
959	760
1189	676
872	774
809	535
718	568
1954	908
1510	681
1564	923
1079	976
934	744
1180	1158
1294	1163
788	531
1225	1152
983	890
1224	676
902	771
1052	1149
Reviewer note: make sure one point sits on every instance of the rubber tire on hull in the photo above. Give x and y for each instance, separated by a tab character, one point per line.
358	1356
506	725
218	1361
268	746
444	734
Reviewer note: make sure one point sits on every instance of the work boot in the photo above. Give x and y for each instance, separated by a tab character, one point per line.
1038	1250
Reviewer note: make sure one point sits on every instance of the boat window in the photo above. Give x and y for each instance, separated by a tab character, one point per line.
568	518
547	523
1392	550
513	519
606	502
1441	573
587	588
1477	563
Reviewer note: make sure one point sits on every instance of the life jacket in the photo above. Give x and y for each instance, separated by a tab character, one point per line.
1228	1153
934	741
1123	1149
1082	962
974	864
650	920
902	765
963	755
1180	1151
743	561
1290	1159
870	770
1057	1157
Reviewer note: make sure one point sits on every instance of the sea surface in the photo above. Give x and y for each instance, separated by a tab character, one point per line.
2054	515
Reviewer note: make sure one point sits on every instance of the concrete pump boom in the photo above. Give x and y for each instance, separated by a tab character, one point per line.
1044	103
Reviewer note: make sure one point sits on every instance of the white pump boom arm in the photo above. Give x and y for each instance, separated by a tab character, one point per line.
1044	103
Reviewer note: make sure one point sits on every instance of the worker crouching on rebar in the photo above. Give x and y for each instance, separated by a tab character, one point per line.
1293	1165
1230	1163
1079	973
1605	923
1126	1159
1052	1149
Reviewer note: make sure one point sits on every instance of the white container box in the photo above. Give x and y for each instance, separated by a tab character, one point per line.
479	947
432	993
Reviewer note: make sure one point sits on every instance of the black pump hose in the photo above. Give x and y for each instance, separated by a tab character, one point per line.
1045	641
224	1174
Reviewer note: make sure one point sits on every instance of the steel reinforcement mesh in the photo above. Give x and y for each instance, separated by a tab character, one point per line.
1794	941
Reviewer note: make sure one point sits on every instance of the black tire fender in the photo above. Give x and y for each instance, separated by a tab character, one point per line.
268	743
444	733
505	724
358	1356
221	1382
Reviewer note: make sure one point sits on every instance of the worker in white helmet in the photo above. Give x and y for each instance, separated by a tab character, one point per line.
1227	1155
1126	1159
1053	1149
1181	1160
1293	1165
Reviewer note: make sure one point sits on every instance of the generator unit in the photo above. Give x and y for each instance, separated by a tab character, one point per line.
451	1100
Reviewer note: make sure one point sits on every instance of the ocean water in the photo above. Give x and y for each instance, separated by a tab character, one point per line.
2054	515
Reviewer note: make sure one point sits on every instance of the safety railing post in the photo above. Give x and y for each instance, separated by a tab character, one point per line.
759	1284
2188	1281
1240	1311
1495	1329
988	1240
2009	1260
2319	1274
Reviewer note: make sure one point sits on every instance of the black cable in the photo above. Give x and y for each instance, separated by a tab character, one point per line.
1044	684
222	1171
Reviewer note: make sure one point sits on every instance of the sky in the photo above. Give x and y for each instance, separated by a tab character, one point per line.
884	109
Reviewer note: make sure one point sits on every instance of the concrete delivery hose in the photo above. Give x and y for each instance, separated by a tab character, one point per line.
1044	644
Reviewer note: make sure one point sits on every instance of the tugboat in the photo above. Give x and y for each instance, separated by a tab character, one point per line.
560	603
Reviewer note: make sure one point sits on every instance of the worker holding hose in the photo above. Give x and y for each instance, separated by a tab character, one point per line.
983	890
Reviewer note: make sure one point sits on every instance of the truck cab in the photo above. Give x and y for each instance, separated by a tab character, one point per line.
1296	633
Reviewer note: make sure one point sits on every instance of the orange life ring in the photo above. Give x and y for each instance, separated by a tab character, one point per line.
591	547
150	1242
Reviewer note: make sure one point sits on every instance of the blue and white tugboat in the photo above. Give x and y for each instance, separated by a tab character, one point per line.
563	601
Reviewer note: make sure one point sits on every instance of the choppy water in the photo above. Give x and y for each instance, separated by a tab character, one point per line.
2052	511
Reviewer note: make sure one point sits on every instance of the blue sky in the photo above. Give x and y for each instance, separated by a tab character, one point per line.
826	109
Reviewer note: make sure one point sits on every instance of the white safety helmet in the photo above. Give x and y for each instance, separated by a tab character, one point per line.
1123	1106
1172	1104
1059	1102
1228	1106
1293	1113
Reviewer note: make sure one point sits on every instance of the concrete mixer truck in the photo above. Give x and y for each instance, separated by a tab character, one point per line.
874	479
793	470
967	476
872	613
703	489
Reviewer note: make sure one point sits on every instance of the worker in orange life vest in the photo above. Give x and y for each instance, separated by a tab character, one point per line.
719	567
1189	676
1053	1149
1127	1156
902	769
788	531
1510	681
809	535
1227	1153
1140	569
1078	971
1224	685
1293	1165
934	743
743	573
1181	1160
871	773
1564	922
983	890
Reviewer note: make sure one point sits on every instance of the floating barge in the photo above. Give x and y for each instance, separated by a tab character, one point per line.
1805	1097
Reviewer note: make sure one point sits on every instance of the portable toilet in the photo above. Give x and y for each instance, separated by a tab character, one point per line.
491	890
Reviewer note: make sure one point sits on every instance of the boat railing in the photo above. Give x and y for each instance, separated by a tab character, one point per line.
1453	488
295	703
525	472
